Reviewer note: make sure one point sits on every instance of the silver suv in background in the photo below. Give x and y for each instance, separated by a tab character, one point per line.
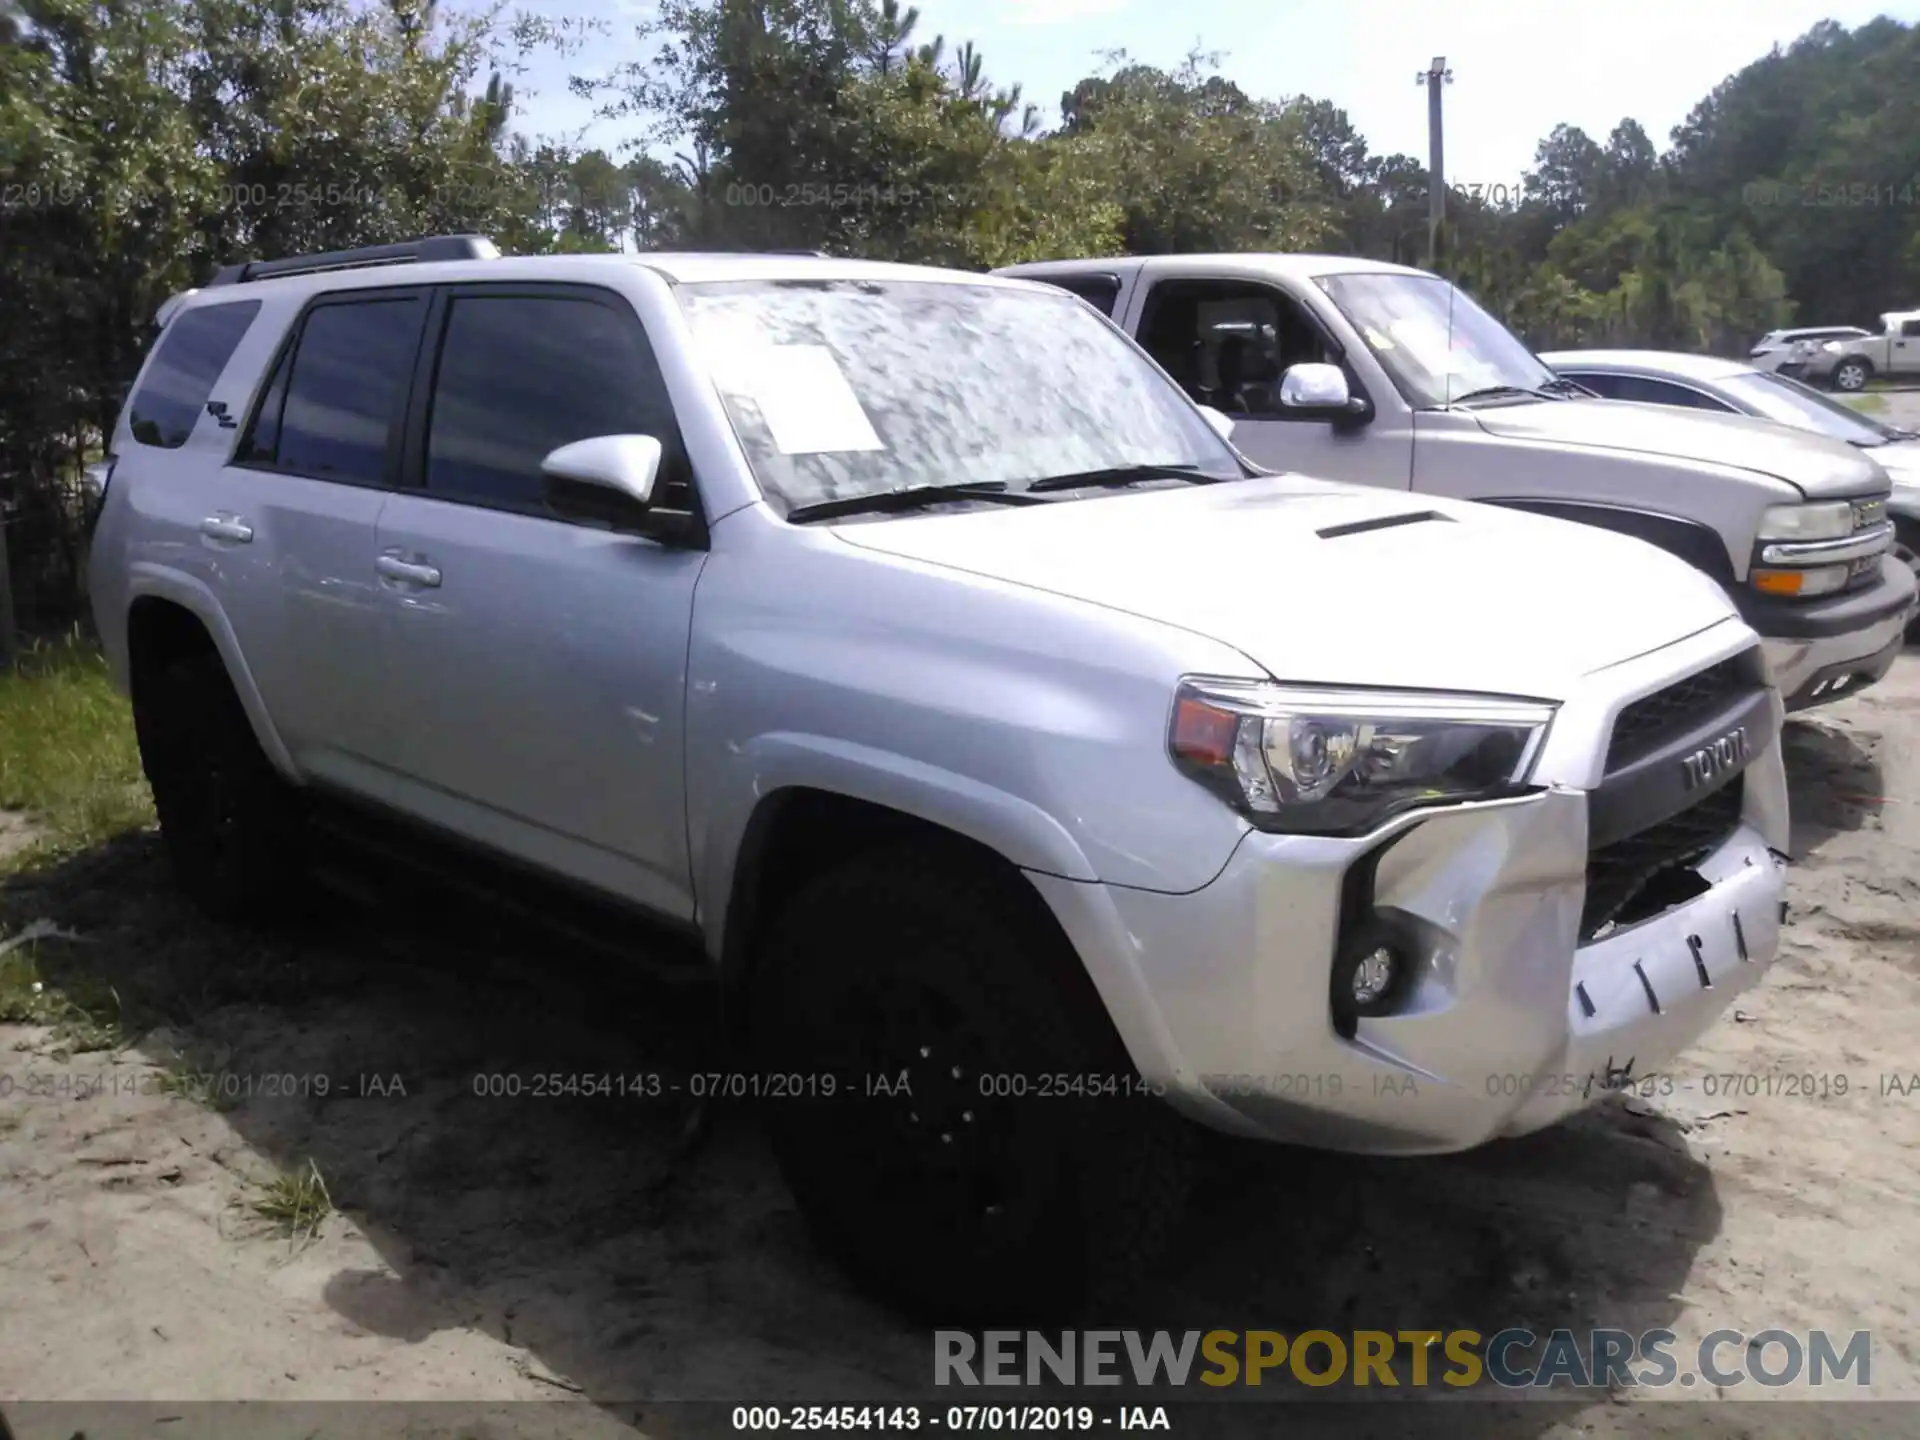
1036	778
1359	370
1848	362
1788	349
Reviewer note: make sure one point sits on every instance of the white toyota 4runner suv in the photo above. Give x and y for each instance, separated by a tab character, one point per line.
1036	774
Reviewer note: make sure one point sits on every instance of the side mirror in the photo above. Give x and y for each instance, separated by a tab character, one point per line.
1222	424
607	480
1314	391
1314	387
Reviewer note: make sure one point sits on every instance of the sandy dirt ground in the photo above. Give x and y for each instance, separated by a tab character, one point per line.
601	1252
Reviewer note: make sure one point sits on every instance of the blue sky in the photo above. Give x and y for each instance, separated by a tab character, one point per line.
1519	68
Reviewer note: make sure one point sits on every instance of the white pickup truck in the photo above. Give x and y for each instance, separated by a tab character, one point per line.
1848	364
1363	371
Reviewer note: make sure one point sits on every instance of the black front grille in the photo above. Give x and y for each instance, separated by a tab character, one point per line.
1624	879
1647	722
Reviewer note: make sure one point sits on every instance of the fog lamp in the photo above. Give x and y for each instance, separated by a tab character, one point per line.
1373	976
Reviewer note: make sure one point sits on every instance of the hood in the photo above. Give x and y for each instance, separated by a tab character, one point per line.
1819	467
1334	584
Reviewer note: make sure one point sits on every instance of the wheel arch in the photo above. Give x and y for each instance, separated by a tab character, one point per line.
172	616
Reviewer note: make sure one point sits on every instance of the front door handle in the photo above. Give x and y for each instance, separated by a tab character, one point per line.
225	527
394	568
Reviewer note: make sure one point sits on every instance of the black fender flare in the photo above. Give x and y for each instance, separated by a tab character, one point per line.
1701	546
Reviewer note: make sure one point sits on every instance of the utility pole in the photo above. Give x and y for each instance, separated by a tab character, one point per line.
1433	77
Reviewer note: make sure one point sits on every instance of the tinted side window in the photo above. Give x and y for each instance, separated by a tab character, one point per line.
1659	392
193	351
522	375
1099	291
344	392
1910	327
1605	386
261	443
1228	342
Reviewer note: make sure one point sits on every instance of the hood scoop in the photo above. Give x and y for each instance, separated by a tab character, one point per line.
1380	522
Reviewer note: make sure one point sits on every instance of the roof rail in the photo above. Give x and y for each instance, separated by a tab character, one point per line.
407	252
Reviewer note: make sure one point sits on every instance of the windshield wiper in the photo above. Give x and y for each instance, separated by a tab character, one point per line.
908	497
1123	475
1560	385
1489	392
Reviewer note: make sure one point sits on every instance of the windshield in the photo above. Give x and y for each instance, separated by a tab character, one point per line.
1778	398
1432	339
840	389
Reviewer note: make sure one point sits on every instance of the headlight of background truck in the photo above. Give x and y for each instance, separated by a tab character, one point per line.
1339	762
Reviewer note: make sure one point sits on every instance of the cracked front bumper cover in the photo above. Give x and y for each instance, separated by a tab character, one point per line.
1510	1023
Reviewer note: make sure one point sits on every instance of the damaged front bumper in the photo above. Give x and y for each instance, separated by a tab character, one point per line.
1520	1010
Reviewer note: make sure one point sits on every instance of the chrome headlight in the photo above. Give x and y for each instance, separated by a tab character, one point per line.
1339	762
1832	520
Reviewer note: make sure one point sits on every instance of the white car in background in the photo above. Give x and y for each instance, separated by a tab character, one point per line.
1702	382
1788	350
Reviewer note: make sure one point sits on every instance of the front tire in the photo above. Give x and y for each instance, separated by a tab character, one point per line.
949	1195
1852	375
228	821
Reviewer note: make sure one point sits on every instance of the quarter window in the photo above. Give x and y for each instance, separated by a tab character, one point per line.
521	375
193	351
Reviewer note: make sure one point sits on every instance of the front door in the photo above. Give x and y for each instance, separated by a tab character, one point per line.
1903	356
536	668
1229	342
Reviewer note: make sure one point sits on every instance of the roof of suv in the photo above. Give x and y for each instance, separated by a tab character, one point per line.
677	267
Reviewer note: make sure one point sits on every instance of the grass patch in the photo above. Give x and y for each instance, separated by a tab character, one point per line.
68	761
84	1013
1866	404
67	752
295	1205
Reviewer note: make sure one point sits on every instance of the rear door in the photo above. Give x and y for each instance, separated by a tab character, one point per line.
297	518
537	667
254	460
1229	342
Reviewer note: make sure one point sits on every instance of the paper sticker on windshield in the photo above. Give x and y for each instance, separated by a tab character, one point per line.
809	407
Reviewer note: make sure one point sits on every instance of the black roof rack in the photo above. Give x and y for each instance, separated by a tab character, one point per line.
407	252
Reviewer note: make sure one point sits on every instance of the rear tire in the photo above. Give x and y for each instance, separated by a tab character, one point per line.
1852	375
230	824
950	1199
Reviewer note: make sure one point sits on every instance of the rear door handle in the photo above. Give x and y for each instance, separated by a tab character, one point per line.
394	568
223	527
